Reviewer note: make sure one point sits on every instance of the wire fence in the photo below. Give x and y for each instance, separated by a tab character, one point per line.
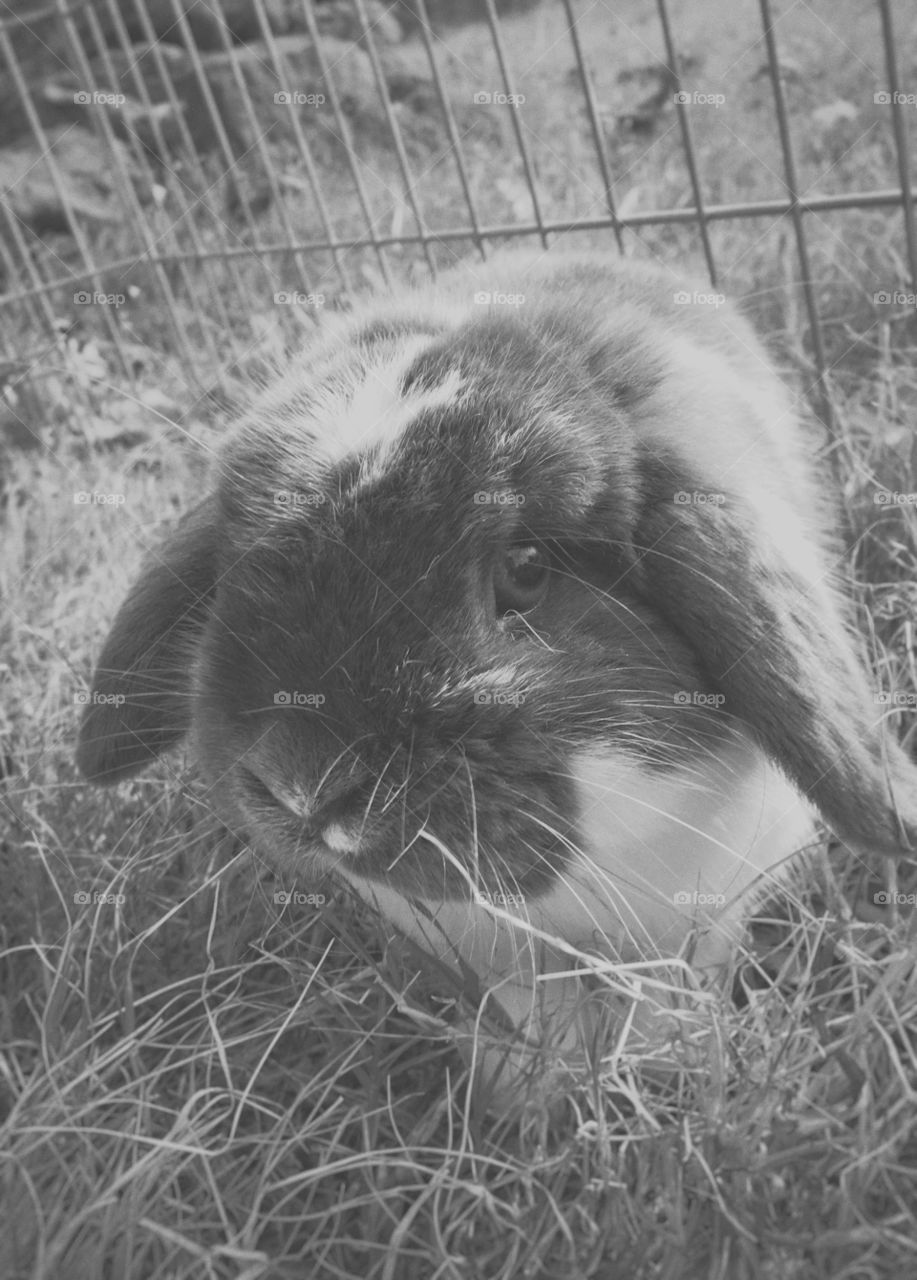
170	172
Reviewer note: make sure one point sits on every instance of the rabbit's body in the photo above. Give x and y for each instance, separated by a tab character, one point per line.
518	615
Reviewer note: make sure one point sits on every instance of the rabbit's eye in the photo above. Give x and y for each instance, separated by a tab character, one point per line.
520	578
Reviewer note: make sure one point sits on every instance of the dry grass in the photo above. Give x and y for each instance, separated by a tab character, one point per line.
199	1084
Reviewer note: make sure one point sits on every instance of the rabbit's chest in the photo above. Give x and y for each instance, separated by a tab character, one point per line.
661	855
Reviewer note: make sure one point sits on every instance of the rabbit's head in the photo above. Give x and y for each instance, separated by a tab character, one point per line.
520	600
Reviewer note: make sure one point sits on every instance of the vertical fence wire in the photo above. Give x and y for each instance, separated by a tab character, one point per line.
395	132
178	187
524	156
346	139
143	160
687	140
126	185
57	179
595	125
216	120
822	397
282	71
258	134
902	142
37	294
451	128
35	297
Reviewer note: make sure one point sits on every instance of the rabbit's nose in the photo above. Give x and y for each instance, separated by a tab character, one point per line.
336	822
324	806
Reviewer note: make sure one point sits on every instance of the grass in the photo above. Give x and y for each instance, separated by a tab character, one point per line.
196	1083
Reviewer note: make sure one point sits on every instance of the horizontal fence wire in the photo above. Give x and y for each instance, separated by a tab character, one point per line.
501	231
221	203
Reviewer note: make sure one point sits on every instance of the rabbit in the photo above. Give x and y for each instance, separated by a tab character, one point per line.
513	606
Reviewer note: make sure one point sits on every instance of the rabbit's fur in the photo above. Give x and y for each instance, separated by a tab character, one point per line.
609	769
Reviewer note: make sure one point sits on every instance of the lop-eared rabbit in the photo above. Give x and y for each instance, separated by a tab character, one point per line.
513	605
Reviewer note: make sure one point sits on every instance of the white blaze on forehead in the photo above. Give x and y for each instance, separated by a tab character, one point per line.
371	415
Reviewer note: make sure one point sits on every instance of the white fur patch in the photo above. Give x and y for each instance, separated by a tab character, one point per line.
661	854
341	838
370	417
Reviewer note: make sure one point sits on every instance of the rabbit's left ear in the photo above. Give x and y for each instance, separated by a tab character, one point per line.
140	702
774	642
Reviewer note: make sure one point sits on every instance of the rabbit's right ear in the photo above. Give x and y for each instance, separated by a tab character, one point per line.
140	702
770	636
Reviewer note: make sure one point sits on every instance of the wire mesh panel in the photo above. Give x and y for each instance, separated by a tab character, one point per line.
185	186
